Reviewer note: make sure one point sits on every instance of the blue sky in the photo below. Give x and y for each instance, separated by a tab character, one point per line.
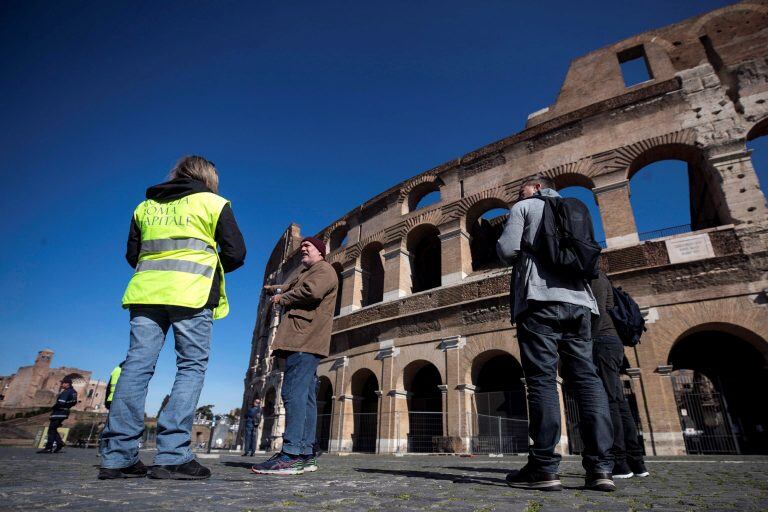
307	108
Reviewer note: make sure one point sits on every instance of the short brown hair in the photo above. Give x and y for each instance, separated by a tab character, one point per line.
542	179
197	168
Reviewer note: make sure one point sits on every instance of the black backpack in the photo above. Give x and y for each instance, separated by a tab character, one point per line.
627	319
565	240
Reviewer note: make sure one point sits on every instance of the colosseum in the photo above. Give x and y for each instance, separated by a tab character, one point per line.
424	357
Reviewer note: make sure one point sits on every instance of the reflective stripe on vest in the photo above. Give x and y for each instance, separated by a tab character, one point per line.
175	244
176	265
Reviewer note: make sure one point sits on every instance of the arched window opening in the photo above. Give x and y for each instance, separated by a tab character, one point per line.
337	308
716	379
424	248
423	195
365	407
270	401
500	401
338	238
324	412
757	142
372	265
425	406
485	222
673	191
586	196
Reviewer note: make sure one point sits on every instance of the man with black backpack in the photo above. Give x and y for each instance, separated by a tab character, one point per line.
550	242
608	339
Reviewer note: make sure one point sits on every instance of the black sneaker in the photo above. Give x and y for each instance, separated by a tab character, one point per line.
532	479
138	470
45	450
599	482
638	468
191	470
59	447
622	470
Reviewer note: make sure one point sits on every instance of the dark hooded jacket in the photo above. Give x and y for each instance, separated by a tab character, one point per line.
228	236
66	400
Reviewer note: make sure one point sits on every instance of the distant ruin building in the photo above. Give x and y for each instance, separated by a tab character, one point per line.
424	358
37	386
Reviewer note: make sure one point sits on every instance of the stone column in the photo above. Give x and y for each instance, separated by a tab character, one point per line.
616	212
665	420
455	254
397	272
467	418
740	187
345	423
452	348
352	289
386	431
400	421
379	403
278	427
335	441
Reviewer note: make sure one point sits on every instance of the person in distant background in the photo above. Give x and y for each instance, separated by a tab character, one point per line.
64	402
252	420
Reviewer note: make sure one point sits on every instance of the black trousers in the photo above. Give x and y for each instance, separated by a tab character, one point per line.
53	434
608	354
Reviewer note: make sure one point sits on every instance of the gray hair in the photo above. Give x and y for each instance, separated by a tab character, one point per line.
197	168
542	179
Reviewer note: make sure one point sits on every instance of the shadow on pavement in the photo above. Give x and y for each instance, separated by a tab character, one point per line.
433	475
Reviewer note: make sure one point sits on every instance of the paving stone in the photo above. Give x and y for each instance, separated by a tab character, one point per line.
67	481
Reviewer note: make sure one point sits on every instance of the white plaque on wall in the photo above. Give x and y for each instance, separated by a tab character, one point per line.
689	248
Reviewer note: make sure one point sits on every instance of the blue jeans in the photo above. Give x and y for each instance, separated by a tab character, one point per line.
548	332
300	400
149	326
250	432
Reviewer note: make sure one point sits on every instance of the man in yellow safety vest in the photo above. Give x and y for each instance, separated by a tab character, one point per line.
179	282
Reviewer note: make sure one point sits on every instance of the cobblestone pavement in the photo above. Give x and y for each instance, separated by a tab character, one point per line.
67	481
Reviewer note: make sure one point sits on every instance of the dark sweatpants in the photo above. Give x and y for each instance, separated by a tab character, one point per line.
53	434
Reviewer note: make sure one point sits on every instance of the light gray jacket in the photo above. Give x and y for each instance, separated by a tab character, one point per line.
532	281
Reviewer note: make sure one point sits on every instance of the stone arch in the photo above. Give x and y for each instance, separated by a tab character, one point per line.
423	383
324	411
413	357
423	245
268	417
414	190
364	386
372	267
484	232
336	234
758	129
578	173
710	17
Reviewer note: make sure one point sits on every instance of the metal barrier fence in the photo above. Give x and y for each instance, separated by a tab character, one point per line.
498	434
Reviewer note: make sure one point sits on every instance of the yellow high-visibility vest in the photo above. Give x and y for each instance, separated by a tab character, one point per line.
113	382
178	258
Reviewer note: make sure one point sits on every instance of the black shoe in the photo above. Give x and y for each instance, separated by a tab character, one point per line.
638	468
59	447
622	470
245	454
138	470
599	482
45	450
532	479
191	470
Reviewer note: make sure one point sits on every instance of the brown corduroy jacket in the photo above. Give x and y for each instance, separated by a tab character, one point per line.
308	303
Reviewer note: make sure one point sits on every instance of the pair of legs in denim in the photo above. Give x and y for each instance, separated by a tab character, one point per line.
299	395
192	330
549	332
608	352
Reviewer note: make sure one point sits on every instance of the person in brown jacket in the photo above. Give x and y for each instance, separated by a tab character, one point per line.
302	340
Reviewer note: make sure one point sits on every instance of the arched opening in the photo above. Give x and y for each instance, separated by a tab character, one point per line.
484	223
424	248
583	192
268	414
365	407
425	407
423	195
674	191
500	401
324	412
719	377
338	268
338	238
757	142
372	266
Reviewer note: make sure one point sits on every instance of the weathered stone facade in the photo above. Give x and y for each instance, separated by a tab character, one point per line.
38	386
443	310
